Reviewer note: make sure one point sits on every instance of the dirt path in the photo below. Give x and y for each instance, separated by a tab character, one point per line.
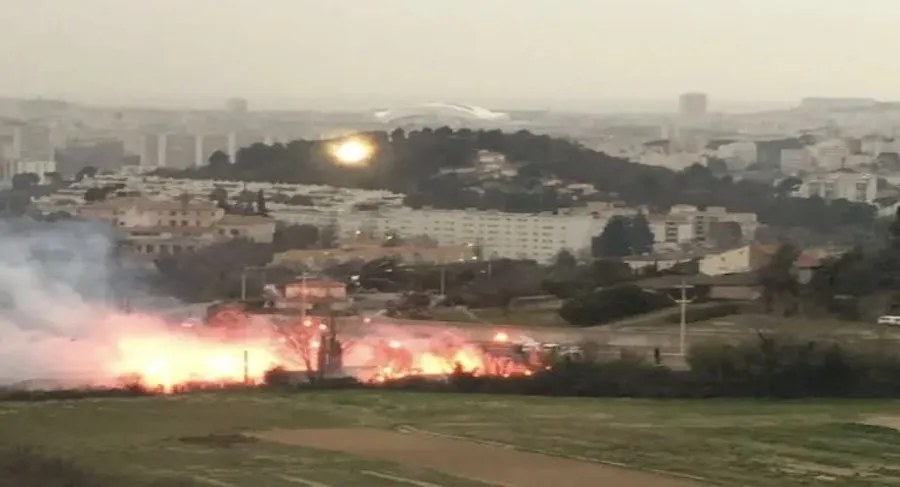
488	464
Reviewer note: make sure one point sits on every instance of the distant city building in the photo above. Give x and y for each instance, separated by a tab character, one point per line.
237	106
692	105
9	168
841	184
181	151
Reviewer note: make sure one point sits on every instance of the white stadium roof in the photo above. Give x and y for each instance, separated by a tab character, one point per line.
450	110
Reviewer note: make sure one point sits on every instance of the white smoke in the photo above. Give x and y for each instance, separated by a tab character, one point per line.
56	284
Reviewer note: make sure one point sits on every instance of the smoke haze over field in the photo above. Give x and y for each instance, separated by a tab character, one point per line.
54	279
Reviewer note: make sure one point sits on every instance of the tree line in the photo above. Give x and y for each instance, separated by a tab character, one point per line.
421	164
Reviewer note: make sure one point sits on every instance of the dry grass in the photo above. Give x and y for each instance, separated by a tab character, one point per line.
744	443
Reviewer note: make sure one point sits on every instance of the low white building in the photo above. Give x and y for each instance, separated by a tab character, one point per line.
733	261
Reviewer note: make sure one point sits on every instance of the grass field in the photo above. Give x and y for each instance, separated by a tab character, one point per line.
205	437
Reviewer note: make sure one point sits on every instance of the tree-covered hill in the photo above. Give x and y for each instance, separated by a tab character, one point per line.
438	168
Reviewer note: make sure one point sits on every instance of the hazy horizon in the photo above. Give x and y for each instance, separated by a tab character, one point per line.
580	54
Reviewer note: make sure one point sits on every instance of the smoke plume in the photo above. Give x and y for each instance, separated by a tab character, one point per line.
56	283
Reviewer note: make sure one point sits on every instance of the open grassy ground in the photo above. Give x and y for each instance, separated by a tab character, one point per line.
204	436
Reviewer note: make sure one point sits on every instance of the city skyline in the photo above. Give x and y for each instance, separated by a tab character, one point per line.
537	55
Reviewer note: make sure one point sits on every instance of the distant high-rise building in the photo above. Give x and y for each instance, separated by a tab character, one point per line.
692	105
27	142
237	106
216	142
182	151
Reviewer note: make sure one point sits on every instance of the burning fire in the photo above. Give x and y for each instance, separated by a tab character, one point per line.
169	361
165	359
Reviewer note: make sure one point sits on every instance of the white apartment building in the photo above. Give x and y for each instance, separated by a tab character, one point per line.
738	155
795	160
689	224
874	145
671	229
849	185
500	235
831	154
692	105
702	219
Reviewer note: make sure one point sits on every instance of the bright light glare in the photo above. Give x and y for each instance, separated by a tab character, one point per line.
352	152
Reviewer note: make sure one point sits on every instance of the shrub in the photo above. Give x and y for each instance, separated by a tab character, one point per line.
22	466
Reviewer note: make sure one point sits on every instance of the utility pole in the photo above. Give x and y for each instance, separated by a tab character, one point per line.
683	301
246	326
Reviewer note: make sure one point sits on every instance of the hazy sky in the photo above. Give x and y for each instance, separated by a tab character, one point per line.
460	50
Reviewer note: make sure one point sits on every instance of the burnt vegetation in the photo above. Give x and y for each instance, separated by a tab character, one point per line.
769	366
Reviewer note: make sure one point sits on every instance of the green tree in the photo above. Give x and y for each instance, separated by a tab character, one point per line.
565	260
778	280
615	241
219	161
25	180
641	237
609	304
261	204
290	237
328	236
86	172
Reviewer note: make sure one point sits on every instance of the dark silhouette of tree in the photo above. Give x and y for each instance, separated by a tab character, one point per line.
290	237
219	161
615	241
301	200
565	259
641	237
787	186
213	272
261	204
86	172
25	180
54	178
717	166
328	237
894	231
778	280
98	194
219	194
605	305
